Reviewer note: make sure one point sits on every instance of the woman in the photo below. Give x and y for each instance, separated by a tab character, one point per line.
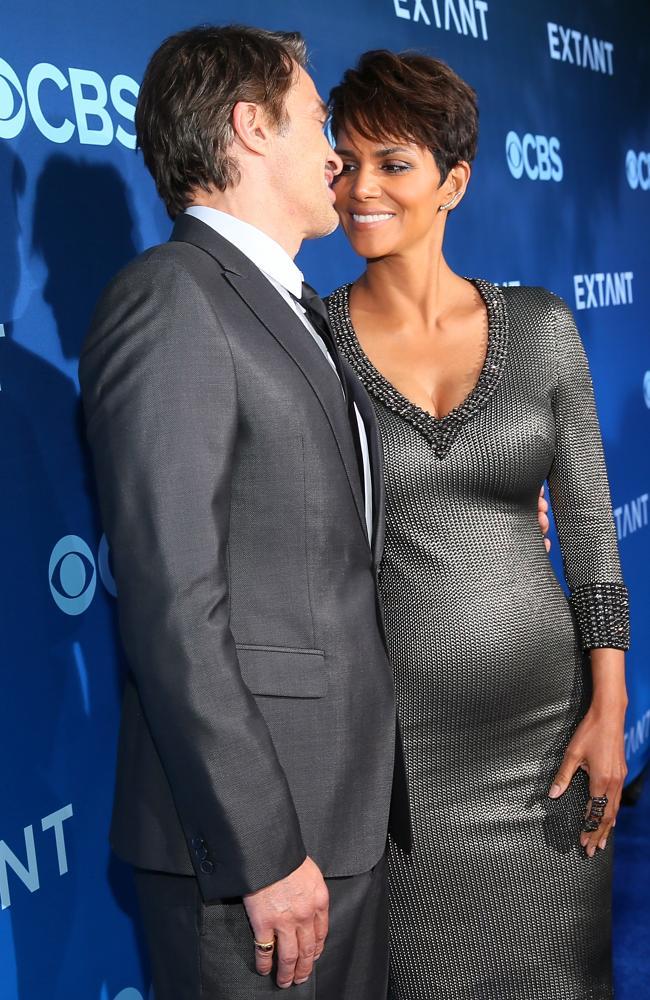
481	394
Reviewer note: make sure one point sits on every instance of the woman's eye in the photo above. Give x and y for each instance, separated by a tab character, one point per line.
396	168
347	168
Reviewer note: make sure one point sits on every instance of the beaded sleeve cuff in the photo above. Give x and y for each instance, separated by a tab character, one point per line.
603	614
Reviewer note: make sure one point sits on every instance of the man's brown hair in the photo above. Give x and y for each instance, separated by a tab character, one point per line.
183	117
409	97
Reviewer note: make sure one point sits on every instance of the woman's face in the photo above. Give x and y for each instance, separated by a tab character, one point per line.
387	195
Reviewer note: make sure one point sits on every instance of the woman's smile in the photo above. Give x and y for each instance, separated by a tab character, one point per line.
370	220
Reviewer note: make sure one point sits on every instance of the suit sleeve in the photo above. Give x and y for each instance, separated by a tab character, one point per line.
160	394
580	497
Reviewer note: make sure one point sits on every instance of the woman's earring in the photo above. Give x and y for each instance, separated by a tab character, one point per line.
443	208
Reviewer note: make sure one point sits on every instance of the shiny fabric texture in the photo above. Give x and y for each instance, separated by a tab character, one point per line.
497	900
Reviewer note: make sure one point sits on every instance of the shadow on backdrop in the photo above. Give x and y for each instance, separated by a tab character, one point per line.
62	691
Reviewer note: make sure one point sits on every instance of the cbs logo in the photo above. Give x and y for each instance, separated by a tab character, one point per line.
637	169
91	101
73	573
535	155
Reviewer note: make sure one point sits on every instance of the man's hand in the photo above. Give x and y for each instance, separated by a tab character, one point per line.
542	517
294	911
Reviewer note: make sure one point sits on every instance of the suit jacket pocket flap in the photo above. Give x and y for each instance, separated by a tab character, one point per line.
280	672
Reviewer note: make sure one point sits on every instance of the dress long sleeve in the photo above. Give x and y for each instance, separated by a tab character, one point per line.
580	498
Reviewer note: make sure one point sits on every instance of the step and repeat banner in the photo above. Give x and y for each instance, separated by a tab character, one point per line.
560	197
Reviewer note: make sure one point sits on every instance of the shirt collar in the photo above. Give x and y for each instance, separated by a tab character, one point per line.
263	251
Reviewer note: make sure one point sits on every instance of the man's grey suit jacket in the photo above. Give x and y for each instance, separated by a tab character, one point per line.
258	722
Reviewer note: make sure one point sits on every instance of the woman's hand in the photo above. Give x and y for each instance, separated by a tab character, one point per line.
542	517
598	745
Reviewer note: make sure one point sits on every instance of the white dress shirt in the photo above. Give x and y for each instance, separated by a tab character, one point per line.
277	266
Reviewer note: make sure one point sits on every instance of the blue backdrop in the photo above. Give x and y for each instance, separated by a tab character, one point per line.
560	197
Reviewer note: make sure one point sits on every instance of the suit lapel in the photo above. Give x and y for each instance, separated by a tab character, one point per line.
282	323
367	412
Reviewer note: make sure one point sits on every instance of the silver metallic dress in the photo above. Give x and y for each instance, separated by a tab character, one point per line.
497	901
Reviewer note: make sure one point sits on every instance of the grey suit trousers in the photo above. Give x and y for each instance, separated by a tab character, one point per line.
205	952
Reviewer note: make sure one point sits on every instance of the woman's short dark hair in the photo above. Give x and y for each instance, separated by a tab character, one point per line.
183	116
410	97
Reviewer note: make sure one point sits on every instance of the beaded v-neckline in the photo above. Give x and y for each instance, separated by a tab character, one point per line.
440	432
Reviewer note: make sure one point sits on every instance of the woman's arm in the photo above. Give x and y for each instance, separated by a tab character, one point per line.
582	508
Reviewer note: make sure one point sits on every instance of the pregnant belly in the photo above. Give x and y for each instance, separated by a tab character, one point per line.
494	650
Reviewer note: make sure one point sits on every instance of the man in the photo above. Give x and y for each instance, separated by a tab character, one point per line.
238	470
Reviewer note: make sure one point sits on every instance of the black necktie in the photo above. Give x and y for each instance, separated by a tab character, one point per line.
316	313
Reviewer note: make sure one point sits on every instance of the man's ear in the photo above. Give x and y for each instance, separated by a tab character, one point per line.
251	127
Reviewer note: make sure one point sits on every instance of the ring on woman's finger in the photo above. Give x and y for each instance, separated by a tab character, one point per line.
596	813
598	805
266	947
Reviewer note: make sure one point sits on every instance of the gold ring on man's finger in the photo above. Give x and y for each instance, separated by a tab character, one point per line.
266	947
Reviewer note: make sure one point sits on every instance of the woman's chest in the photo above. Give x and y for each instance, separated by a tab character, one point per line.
503	447
435	373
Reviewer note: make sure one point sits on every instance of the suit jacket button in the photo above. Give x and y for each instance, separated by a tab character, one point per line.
207	867
198	843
